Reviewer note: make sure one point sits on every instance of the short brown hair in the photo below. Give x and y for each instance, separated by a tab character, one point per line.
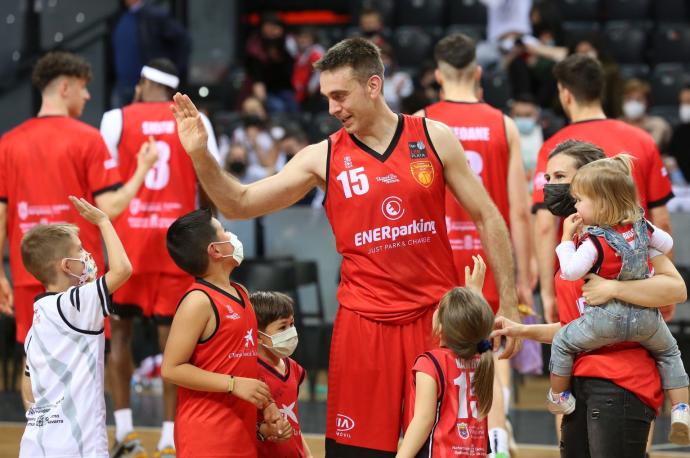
635	85
270	306
582	152
609	183
582	75
43	245
357	53
466	320
457	51
56	64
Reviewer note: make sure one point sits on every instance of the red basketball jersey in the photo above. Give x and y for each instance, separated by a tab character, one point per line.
387	212
220	424
481	130
627	364
285	390
457	430
614	137
168	192
42	162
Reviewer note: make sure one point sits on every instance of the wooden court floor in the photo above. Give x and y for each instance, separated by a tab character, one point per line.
11	433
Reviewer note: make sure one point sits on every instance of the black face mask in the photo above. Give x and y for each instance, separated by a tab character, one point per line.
558	199
237	167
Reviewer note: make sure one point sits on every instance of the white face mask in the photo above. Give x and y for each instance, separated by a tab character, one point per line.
283	343
633	109
684	113
237	248
90	268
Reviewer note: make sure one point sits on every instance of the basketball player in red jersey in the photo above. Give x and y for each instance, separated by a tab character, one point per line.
384	176
492	145
46	159
580	85
169	191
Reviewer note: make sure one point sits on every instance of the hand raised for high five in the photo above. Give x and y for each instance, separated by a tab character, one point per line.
474	279
190	127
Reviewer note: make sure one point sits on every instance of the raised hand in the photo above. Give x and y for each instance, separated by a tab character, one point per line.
190	128
87	211
148	154
475	279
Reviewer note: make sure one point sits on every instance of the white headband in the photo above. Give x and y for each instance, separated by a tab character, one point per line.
157	76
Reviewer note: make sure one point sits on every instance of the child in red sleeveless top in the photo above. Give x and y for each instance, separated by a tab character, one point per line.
211	351
277	341
616	244
453	385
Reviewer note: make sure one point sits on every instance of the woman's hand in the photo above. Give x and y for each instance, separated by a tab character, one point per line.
508	328
598	291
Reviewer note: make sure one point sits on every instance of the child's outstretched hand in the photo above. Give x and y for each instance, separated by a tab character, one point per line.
87	211
571	225
474	279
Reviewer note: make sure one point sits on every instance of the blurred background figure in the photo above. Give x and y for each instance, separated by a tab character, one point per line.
679	146
305	80
372	27
237	164
397	83
141	33
526	115
592	46
635	108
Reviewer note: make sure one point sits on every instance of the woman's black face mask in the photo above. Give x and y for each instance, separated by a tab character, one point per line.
558	199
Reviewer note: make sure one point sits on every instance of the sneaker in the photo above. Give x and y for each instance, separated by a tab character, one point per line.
130	447
166	452
564	404
680	425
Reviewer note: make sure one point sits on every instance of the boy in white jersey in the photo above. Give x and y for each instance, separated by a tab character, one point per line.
65	345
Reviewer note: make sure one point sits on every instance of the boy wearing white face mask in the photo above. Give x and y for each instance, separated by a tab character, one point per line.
277	341
63	380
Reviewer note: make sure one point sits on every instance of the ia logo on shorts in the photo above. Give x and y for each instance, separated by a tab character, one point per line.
392	208
343	423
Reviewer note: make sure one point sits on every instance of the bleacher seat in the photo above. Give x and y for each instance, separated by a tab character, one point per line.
413	46
476	32
670	10
626	41
420	12
466	12
667	80
580	10
671	43
617	10
574	31
640	71
496	88
668	112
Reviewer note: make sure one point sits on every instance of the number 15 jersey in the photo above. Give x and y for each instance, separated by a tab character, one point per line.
387	212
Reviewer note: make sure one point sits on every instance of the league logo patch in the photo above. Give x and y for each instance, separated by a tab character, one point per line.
417	150
422	172
463	430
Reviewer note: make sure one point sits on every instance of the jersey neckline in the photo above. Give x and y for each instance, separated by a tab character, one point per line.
583	121
391	146
239	299
274	371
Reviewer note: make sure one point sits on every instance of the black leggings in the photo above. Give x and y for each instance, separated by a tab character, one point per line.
608	422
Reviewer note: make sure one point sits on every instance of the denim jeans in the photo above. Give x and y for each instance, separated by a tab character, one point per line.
616	322
608	422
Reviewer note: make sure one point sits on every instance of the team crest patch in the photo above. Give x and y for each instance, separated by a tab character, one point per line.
417	150
423	172
463	430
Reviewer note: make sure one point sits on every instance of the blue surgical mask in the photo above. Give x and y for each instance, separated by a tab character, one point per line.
525	124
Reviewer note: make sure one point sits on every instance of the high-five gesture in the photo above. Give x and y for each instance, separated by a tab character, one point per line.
190	127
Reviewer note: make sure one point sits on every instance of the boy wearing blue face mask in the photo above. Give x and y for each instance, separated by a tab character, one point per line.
63	380
277	341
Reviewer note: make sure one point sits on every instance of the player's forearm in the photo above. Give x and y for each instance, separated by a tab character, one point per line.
119	266
223	190
520	234
113	203
545	250
496	242
543	333
194	378
415	436
3	236
655	292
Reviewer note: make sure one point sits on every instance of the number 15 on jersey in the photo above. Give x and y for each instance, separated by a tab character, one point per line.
353	181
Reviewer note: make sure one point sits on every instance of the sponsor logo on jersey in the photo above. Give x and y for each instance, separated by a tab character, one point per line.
388	179
23	210
392	208
347	162
248	338
422	172
417	150
232	315
392	233
289	412
134	206
343	423
463	430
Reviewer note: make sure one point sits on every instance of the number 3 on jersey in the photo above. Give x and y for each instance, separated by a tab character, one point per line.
157	178
354	181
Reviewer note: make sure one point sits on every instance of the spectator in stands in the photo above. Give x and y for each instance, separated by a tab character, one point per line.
592	46
372	27
526	115
426	90
397	83
305	80
237	164
144	32
269	62
506	21
679	147
636	102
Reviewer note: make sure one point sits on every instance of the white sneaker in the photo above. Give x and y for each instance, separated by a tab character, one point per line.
562	403
680	425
